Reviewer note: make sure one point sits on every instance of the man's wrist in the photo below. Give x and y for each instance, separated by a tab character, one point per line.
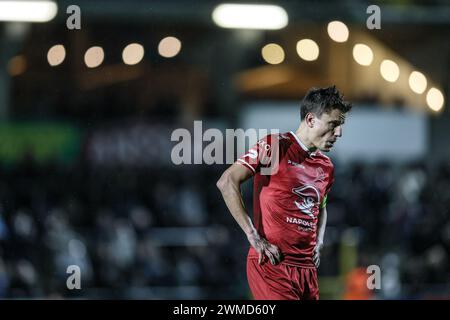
251	232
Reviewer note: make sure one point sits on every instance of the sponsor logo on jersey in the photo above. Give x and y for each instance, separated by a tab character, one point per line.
295	164
302	224
264	145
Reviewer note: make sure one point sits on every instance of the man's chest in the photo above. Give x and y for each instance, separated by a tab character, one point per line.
297	172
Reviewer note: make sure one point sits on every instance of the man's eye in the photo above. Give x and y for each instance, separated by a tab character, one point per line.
335	124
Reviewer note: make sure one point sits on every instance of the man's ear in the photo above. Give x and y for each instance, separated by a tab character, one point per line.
310	119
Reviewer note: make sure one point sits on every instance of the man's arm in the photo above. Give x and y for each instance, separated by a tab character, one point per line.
229	185
321	225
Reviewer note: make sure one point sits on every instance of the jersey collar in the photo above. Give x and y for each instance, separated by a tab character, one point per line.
311	153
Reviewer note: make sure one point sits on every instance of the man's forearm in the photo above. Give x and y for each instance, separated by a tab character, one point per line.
233	199
229	185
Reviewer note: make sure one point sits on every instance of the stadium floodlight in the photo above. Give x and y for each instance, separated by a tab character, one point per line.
250	16
28	11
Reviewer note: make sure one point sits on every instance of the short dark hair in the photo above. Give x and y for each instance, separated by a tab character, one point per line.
320	100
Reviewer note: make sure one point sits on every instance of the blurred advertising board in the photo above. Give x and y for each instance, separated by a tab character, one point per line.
45	142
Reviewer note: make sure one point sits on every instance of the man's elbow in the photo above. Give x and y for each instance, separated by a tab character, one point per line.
224	181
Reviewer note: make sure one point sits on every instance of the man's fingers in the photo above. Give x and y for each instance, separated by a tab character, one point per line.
278	255
316	260
272	259
275	252
272	252
270	256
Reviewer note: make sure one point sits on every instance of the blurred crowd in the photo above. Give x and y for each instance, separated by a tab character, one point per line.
402	221
165	232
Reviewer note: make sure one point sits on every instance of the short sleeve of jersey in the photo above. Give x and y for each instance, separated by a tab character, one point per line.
258	156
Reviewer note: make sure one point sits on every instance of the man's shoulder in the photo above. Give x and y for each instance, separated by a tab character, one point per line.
278	136
280	139
319	155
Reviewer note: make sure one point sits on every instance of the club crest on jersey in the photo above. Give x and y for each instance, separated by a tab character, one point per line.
309	199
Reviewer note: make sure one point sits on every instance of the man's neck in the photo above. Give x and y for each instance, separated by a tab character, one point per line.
303	137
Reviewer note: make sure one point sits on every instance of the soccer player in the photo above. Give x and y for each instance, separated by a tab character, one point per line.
292	178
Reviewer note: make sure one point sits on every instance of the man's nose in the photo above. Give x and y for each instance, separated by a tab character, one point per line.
338	131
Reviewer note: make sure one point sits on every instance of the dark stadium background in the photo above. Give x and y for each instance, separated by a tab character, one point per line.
86	176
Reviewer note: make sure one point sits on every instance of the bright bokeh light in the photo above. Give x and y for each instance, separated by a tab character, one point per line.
273	53
307	49
28	11
338	31
94	57
417	82
169	47
133	54
389	70
56	55
249	16
435	99
362	54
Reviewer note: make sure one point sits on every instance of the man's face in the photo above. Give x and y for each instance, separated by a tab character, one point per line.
326	129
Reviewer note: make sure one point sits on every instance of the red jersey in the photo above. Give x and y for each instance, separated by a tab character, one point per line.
286	203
